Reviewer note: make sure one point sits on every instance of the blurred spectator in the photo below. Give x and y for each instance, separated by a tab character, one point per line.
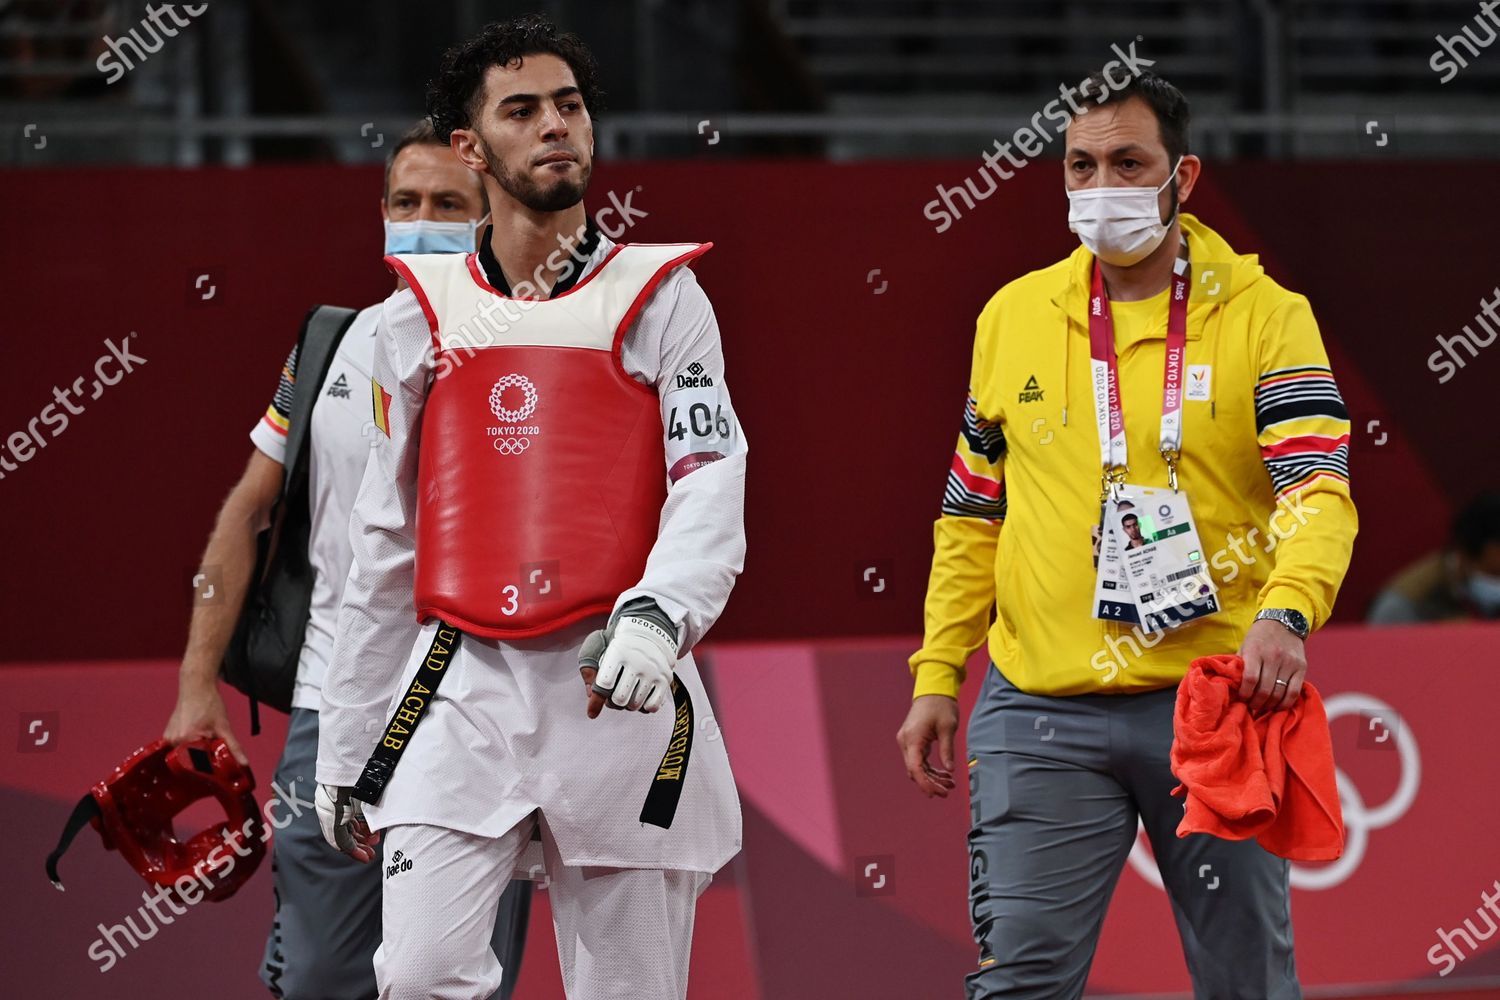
1460	581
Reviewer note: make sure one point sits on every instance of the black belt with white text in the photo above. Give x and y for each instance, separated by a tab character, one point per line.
666	784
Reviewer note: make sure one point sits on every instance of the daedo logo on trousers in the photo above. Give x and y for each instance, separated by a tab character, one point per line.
513	399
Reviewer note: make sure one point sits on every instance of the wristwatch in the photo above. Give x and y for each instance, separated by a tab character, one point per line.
1295	621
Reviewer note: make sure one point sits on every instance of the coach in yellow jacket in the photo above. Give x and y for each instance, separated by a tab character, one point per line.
1068	745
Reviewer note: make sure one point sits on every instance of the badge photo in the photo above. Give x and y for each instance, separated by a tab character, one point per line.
1164	563
1113	600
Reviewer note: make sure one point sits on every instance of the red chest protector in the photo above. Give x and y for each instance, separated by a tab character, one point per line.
541	472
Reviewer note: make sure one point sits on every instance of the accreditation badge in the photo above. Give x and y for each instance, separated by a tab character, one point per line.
1113	600
1165	567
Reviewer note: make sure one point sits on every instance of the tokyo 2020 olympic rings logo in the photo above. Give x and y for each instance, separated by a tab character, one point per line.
512	446
1359	818
497	398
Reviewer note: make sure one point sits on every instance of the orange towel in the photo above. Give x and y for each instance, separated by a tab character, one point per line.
1270	778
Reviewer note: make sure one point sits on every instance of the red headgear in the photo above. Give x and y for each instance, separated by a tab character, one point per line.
133	809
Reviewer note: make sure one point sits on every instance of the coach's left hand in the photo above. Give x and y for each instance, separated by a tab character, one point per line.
1272	653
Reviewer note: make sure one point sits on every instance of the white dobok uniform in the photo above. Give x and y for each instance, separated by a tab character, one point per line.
506	747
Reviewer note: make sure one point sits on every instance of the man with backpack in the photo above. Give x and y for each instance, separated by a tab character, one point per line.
279	555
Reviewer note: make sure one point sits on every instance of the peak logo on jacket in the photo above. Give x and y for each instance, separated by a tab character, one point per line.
513	399
1031	392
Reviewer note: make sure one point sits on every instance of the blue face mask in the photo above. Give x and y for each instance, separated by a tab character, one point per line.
1484	590
426	236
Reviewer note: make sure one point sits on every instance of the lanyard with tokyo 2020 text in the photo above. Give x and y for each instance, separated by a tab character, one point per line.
1105	378
1149	558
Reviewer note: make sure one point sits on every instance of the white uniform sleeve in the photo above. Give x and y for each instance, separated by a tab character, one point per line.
700	544
269	433
377	624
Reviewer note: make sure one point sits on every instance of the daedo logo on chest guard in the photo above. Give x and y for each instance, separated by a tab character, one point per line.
512	437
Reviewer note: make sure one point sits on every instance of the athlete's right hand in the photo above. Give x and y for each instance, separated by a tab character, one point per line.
933	717
200	714
342	818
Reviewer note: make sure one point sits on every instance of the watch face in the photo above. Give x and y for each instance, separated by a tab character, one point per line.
1294	620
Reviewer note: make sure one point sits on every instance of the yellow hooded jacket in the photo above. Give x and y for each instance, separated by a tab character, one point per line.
1264	465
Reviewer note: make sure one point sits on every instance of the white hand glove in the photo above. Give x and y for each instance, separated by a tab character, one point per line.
635	672
342	818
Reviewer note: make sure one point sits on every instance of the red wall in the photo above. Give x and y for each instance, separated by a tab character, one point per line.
850	398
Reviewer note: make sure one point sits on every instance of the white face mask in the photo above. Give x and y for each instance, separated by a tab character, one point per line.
1484	590
1119	225
428	236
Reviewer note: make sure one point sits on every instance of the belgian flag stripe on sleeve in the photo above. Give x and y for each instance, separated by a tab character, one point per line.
382	404
1303	427
976	479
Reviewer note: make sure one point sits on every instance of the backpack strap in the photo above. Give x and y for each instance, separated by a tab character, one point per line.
321	334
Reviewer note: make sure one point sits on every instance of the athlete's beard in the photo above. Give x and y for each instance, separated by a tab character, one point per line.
521	186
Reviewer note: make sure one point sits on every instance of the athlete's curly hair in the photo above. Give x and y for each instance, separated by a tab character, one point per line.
453	97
